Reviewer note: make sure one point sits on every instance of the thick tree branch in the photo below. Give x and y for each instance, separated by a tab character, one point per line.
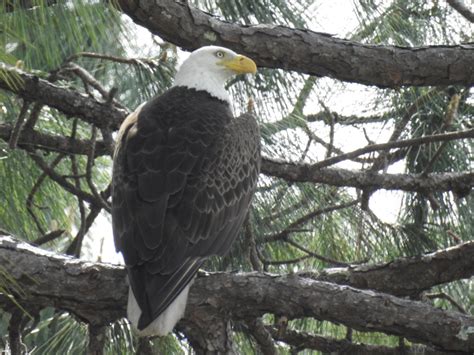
34	139
70	102
406	276
460	183
256	294
84	289
343	346
306	51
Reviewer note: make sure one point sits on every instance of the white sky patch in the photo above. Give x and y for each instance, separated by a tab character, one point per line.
335	17
99	242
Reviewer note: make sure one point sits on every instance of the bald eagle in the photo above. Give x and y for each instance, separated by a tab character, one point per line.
184	173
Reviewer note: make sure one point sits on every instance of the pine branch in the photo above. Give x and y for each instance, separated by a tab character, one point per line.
303	340
71	103
85	289
413	142
54	143
405	276
306	51
53	175
460	183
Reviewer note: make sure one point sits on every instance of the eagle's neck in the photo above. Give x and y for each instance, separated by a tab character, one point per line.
197	78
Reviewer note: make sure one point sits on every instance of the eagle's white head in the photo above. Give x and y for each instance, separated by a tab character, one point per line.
208	68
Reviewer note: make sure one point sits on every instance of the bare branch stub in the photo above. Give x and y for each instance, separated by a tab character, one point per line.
97	338
443	295
262	336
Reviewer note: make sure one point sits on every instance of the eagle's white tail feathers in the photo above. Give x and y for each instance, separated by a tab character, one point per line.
165	322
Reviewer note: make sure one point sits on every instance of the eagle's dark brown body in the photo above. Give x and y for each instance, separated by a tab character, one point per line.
184	174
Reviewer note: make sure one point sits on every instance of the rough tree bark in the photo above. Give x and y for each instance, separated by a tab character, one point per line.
306	51
102	115
460	183
69	102
85	289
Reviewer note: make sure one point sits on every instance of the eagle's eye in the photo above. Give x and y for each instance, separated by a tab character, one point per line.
220	54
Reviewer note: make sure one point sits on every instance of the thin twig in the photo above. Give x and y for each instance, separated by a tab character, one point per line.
400	126
451	113
284	262
76	244
429	166
448	298
306	150
306	218
332	120
284	212
15	135
35	188
318	256
34	116
133	61
251	245
89	166
48	237
60	180
334	149
349	120
304	95
469	133
87	78
82	209
74	176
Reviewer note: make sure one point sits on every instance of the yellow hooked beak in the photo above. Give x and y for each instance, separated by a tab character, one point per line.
240	64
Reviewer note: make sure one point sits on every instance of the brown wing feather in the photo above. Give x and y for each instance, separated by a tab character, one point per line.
184	175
